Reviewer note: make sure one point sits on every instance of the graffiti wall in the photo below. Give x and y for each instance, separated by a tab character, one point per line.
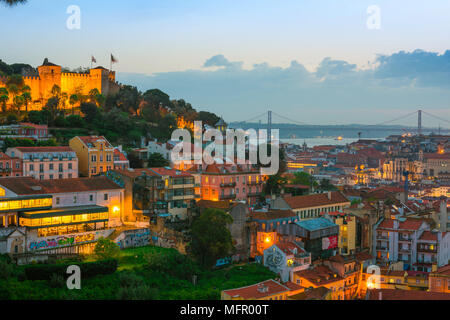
55	242
133	238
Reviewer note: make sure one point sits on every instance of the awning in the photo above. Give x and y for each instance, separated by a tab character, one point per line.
64	211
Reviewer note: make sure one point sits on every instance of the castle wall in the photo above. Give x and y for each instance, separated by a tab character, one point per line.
101	79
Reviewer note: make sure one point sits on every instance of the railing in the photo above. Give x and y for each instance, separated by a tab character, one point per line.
227	196
254	183
228	185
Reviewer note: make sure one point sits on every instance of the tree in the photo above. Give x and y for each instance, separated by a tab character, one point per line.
73	99
304	178
89	110
26	99
4	98
211	239
13	2
106	249
157	160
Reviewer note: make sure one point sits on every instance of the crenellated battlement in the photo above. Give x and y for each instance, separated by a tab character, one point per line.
75	75
31	78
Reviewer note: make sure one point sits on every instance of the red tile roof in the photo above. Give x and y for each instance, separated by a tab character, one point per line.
30	186
408	224
393	294
315	200
121	156
429	236
320	275
93	139
44	149
252	292
273	214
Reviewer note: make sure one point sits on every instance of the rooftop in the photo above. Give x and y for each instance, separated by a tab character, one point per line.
255	291
316	224
315	200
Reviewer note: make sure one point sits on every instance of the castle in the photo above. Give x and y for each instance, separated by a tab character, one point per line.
70	83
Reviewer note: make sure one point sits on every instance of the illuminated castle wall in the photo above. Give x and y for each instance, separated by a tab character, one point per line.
50	74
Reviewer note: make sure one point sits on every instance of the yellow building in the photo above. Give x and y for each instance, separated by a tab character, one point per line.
347	232
50	74
321	276
95	155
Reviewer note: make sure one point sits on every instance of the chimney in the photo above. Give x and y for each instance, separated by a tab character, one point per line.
329	195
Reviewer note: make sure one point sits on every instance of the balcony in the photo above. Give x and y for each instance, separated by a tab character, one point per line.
382	248
227	197
254	183
382	237
228	185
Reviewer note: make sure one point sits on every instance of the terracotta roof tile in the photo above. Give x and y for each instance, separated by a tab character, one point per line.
315	200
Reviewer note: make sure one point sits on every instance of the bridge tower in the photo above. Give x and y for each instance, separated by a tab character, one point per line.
269	126
419	122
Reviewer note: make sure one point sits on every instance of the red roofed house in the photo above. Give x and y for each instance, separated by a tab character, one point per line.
95	154
439	280
120	160
311	206
44	163
266	290
396	240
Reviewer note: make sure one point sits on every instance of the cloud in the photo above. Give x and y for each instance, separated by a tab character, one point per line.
336	92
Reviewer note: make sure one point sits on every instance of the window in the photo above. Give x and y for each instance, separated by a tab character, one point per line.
17	165
50	166
74	199
51	176
70	166
41	167
105	197
41	177
70	176
57	200
60	176
91	197
108	158
60	167
31	167
93	158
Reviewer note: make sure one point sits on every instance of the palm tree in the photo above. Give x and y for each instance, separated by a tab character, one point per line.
27	99
74	98
3	100
18	102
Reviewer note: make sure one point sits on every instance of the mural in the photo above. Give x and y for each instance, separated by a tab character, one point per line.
329	242
133	238
63	241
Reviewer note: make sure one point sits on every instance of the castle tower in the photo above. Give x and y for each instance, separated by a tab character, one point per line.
50	75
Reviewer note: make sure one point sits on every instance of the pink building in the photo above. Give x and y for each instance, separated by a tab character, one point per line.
228	182
45	163
10	167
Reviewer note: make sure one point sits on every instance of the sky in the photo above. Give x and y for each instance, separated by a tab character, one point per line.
318	62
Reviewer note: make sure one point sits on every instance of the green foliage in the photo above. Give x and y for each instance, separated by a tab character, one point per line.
133	287
172	263
157	160
88	269
12	118
208	118
304	178
106	249
211	239
6	267
56	281
75	121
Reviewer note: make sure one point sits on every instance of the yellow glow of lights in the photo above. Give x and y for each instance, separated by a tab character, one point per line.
267	240
116	209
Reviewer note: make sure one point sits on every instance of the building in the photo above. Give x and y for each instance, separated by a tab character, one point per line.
10	167
321	276
397	239
266	290
285	258
433	247
240	229
311	206
319	236
349	238
152	192
95	154
392	294
240	182
120	160
50	74
439	280
67	215
44	163
25	130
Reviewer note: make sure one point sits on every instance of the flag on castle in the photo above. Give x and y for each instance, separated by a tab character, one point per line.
113	59
93	59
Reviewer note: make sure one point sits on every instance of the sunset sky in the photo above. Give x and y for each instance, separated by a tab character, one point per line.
313	61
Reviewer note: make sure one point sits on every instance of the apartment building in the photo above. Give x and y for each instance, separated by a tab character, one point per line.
46	163
95	154
10	167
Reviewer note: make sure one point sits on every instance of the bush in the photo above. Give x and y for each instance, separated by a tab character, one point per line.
106	249
6	268
57	281
88	269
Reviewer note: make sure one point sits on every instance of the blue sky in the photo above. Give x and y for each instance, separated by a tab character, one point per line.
313	60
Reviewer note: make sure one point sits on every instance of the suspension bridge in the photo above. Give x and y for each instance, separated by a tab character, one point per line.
433	124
